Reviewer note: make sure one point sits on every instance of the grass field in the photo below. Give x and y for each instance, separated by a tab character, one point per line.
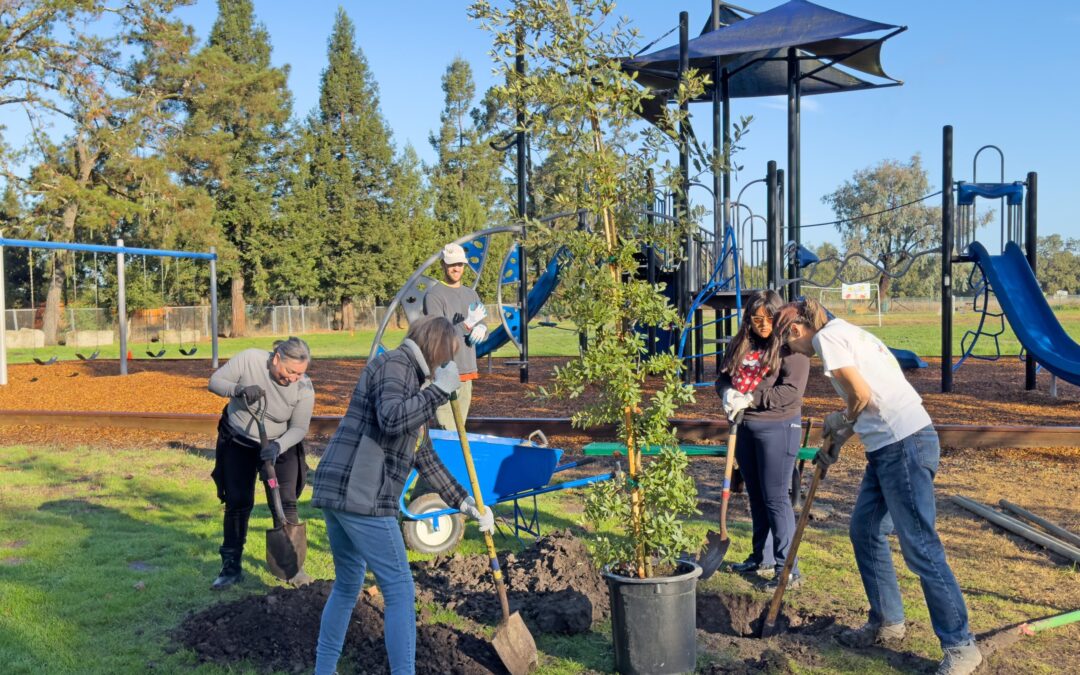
102	554
919	332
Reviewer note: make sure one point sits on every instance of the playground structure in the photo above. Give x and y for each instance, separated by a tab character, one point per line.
1011	275
714	263
119	251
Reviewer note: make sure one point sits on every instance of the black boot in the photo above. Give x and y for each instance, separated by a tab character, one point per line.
230	569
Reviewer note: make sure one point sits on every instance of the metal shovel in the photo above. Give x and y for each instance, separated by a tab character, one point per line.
716	545
513	642
286	544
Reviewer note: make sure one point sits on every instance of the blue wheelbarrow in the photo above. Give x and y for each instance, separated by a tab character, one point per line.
508	470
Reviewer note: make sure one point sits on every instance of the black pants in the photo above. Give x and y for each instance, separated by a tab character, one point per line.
766	452
235	472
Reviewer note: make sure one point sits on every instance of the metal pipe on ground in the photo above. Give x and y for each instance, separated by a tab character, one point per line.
1055	530
1016	527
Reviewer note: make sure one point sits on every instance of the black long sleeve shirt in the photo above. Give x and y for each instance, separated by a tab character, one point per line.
779	395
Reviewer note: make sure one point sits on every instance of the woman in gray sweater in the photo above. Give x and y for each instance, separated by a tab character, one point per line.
277	381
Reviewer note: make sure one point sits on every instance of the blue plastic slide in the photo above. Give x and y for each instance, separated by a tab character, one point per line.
1029	314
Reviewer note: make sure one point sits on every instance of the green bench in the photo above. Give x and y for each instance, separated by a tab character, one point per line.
608	449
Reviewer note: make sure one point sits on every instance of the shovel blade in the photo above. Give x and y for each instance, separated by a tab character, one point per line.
713	556
515	646
286	549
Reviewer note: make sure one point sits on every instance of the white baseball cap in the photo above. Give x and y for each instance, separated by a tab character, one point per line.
453	254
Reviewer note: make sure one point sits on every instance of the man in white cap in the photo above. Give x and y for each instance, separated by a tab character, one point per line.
461	305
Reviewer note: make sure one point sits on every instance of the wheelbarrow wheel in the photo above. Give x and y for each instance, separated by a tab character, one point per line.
421	537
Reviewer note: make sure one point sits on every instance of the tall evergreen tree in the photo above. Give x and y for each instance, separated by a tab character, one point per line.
469	193
238	106
352	173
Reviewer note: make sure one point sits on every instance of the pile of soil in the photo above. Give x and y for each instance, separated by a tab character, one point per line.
552	583
279	631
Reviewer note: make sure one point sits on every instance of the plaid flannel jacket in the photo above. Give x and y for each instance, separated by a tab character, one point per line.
389	408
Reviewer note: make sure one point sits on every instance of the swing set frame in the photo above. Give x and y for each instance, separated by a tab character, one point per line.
119	251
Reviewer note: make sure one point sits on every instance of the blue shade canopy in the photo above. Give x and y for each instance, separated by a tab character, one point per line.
753	51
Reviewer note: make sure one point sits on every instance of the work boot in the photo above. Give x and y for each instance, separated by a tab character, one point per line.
301	578
230	569
873	633
960	660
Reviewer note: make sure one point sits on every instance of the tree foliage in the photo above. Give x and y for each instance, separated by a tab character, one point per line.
883	217
579	104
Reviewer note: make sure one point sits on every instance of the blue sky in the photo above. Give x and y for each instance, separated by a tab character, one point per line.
999	72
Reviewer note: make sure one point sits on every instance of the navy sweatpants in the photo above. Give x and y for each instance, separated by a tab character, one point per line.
766	452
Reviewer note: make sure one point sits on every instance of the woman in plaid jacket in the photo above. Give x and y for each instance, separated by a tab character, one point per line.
361	477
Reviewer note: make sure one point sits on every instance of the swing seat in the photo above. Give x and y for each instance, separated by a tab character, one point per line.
189	352
88	358
158	355
45	363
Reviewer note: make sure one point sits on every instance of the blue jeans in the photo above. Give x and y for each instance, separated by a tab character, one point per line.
766	452
898	491
359	542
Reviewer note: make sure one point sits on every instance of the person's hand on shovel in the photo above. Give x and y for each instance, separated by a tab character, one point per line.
485	520
447	378
838	431
270	452
735	402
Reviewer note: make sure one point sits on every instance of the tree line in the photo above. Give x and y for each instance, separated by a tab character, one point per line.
141	132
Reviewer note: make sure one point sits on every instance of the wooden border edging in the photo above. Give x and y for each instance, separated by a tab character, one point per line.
689	430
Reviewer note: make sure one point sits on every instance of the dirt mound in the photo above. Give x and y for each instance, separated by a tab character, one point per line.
279	630
552	583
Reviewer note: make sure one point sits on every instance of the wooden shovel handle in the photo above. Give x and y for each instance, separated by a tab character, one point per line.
493	559
729	468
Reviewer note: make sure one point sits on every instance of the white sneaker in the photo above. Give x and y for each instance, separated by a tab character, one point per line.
960	660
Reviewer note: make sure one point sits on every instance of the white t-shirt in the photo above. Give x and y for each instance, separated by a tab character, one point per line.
895	410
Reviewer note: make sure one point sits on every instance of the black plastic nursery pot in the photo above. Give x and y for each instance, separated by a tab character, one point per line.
654	621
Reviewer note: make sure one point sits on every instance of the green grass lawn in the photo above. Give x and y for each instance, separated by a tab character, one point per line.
103	553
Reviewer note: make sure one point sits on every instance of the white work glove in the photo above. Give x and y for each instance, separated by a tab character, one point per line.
447	378
735	402
479	332
477	314
838	427
485	520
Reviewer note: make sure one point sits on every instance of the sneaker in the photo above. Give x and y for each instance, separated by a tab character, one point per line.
960	660
748	567
794	581
873	633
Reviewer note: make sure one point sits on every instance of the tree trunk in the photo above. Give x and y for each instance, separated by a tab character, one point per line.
884	284
348	314
239	307
51	319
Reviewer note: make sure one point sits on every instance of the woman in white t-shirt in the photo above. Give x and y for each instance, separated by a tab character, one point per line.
897	490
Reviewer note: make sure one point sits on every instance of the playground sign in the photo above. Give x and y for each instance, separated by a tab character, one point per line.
855	291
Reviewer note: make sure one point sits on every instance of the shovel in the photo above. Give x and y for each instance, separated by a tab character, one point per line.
716	546
286	544
769	626
513	642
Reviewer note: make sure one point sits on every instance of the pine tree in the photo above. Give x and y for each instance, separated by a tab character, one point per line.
238	106
351	173
469	193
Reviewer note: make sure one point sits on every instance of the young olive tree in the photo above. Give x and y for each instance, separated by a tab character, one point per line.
579	105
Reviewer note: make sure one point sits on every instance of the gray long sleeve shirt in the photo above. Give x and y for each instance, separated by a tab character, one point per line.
453	303
288	408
